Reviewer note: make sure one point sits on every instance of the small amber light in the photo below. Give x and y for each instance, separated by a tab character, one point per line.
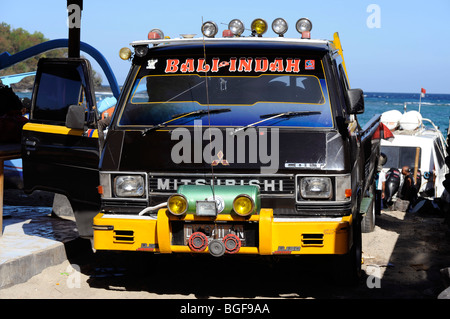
125	53
348	193
100	189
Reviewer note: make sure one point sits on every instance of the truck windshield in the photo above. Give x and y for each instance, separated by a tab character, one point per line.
248	87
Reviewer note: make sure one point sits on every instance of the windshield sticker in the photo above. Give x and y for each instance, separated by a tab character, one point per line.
152	64
310	65
258	65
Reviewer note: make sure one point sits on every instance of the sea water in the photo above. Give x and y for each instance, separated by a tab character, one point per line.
435	107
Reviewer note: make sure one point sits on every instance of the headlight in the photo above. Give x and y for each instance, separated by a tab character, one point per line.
129	186
316	187
243	205
177	204
236	27
209	29
259	26
279	26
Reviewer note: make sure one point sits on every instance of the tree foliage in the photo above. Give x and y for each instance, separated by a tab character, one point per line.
16	40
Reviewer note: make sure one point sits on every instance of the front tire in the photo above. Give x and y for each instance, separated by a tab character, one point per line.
347	268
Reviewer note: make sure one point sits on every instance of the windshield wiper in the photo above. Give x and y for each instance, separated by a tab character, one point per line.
182	115
200	112
271	116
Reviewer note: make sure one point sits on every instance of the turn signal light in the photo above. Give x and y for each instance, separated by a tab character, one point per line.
348	193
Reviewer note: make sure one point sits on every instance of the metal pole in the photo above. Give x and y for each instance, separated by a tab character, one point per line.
74	8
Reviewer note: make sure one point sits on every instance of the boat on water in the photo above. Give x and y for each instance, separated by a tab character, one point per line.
419	144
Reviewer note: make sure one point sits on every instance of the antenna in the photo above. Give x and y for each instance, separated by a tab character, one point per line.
209	121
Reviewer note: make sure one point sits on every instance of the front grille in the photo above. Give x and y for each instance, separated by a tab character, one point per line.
333	209
270	185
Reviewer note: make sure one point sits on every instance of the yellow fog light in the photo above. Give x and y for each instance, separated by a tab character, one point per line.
259	26
125	53
177	204
243	205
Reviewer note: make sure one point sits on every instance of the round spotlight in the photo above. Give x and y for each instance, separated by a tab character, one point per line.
125	53
141	50
279	26
236	27
303	25
177	204
243	205
209	29
259	26
155	34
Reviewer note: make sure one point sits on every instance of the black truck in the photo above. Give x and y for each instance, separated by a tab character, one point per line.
221	145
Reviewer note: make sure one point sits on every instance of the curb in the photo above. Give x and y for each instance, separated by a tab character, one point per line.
20	270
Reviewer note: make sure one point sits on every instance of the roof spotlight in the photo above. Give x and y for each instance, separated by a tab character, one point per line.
259	26
304	26
209	29
279	26
236	27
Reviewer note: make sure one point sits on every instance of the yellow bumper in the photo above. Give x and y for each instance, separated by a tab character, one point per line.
276	236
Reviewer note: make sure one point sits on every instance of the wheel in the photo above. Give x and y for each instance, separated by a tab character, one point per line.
347	268
368	220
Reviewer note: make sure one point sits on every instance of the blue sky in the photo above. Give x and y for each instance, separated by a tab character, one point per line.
410	50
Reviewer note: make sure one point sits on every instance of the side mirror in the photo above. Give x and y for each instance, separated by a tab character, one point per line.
75	117
355	101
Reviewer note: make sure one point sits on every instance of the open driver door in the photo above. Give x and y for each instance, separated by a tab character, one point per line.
60	145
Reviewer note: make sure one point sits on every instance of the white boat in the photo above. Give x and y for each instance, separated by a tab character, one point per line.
417	143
